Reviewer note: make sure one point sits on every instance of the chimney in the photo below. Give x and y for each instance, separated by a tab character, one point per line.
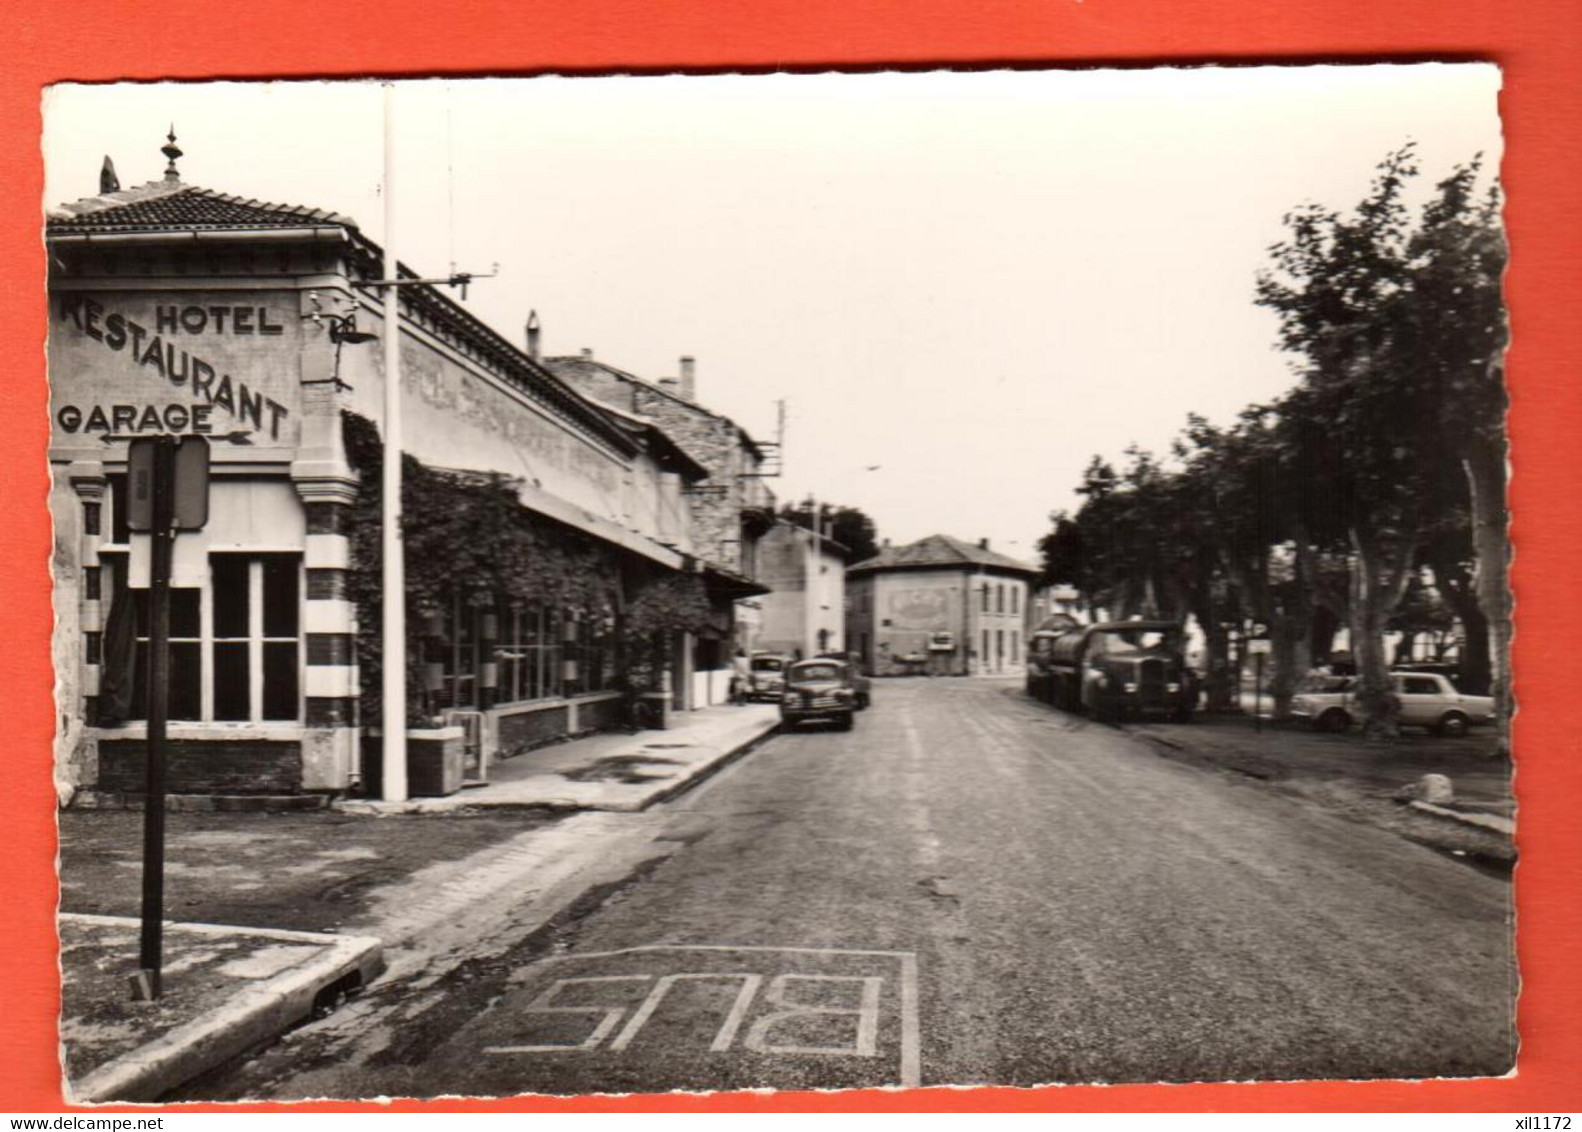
689	380
532	335
983	544
587	354
108	181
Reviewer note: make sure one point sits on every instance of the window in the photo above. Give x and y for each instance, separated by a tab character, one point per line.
999	598
235	654
1016	599
1419	686
589	664
255	619
985	592
528	653
186	655
455	650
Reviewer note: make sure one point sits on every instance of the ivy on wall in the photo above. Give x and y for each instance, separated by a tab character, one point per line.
468	536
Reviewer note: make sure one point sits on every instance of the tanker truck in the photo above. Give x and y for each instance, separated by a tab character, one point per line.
1113	670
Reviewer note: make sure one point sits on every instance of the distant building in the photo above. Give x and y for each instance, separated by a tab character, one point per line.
730	511
939	606
804	613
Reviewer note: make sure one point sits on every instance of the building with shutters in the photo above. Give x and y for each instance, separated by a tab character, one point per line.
939	606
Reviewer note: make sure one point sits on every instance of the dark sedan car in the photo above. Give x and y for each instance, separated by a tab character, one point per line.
819	690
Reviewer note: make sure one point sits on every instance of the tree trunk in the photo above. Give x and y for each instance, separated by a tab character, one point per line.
1485	468
1218	687
1377	585
1291	651
1474	660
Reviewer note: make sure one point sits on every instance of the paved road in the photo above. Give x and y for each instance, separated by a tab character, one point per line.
969	888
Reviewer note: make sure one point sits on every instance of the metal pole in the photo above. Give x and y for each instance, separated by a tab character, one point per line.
393	621
151	942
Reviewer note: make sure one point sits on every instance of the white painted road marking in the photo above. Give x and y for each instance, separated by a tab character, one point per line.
867	1043
609	1015
733	1020
866	1012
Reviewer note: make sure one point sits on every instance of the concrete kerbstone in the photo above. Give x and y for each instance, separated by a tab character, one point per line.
249	1018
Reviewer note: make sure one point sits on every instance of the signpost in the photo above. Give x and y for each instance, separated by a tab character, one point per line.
168	491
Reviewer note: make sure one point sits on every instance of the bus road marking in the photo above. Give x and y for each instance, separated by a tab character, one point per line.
782	992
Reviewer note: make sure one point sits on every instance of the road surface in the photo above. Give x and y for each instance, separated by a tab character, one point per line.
968	888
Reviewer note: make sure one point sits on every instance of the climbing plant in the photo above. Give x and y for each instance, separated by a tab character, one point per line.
468	536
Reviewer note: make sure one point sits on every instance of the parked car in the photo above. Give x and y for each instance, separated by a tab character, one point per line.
1428	700
766	676
819	690
1451	672
861	682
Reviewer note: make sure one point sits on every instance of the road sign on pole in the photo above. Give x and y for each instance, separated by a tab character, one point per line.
168	490
189	482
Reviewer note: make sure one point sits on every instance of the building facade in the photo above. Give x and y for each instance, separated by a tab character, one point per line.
732	510
180	310
804	613
940	607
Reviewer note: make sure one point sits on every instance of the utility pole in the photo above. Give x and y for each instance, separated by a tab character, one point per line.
393	620
150	951
168	490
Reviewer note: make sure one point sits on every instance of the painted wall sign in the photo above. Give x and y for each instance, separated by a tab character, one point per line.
458	418
919	608
125	366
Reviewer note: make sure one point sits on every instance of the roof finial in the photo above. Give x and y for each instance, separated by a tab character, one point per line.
172	151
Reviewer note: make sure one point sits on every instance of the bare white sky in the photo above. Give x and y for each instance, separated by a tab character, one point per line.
974	280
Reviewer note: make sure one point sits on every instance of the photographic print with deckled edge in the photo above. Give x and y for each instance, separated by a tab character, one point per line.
953	578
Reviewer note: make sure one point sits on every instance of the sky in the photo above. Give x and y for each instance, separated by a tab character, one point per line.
962	285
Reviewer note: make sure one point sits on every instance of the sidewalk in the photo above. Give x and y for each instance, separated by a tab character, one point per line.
282	913
614	772
226	990
1361	778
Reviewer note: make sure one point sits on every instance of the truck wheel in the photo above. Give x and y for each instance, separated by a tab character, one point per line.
1335	721
846	722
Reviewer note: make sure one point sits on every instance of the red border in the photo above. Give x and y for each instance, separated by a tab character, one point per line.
1537	42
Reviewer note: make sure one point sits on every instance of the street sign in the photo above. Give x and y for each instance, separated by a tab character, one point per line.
190	505
1260	648
941	642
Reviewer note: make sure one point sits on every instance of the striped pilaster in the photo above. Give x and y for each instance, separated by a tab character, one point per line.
89	484
329	632
488	666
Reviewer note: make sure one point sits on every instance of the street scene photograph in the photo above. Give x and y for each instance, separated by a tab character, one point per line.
635	584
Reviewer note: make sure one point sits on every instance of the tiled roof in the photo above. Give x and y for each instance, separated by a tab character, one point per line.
161	205
941	550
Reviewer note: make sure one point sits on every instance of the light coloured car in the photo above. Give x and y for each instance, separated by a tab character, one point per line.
1428	700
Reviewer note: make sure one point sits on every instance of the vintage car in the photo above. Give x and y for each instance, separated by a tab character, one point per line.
1428	700
819	690
766	675
861	682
